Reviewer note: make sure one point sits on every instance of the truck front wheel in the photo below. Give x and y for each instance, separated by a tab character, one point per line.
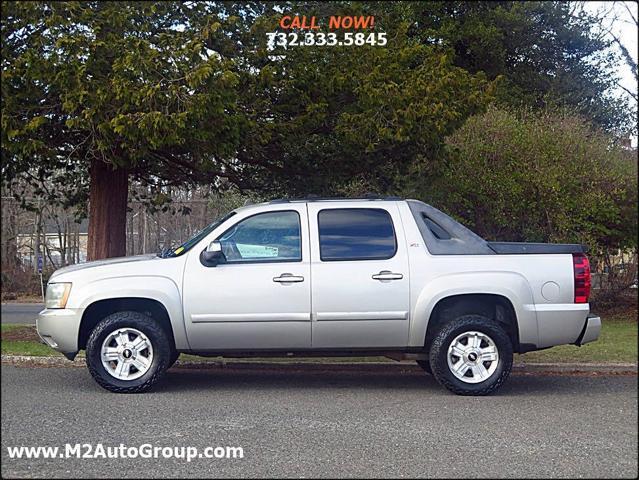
128	352
471	355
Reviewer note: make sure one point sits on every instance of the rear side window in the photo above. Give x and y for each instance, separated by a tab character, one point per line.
436	229
356	234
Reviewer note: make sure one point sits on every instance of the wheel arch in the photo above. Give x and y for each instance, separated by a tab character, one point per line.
131	292
494	306
100	309
479	287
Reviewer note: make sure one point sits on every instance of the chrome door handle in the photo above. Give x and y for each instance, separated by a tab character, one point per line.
288	278
387	275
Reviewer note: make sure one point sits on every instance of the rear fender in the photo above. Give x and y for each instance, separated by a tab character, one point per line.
511	285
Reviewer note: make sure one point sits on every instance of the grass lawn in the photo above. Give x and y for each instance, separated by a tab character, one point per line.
25	347
23	340
7	327
617	344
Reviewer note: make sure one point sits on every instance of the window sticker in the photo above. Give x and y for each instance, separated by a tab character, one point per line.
257	251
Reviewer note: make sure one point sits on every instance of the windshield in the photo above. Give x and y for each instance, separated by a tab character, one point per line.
191	242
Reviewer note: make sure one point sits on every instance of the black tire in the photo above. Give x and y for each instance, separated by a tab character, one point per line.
425	364
445	336
154	332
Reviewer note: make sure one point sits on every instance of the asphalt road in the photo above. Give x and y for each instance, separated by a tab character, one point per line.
301	423
25	313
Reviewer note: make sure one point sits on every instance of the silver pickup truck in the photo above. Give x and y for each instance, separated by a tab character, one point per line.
330	277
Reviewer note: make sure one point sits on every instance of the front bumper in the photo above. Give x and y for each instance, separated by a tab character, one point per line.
59	328
591	330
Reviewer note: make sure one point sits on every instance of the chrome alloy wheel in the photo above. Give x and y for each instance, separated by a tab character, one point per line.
126	354
473	357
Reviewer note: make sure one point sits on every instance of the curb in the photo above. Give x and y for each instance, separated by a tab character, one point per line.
379	367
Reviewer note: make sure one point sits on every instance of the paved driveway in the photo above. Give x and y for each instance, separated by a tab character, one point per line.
326	424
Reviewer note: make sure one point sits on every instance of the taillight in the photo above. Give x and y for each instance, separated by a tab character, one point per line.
581	268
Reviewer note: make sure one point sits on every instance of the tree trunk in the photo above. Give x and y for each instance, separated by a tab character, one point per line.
146	229
36	248
56	219
131	247
140	230
65	247
9	234
108	194
77	243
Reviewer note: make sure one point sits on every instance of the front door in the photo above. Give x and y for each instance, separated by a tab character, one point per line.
259	297
360	275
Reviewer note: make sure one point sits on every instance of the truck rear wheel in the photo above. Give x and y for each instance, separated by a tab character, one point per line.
471	355
127	352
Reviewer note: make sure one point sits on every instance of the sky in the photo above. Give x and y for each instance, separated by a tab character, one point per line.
625	29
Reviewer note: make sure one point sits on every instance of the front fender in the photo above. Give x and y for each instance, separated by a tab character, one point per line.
161	289
510	285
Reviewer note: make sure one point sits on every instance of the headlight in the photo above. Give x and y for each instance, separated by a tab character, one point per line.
57	295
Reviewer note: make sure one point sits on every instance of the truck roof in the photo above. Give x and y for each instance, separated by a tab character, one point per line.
314	198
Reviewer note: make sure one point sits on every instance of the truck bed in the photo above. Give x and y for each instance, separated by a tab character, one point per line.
445	236
520	248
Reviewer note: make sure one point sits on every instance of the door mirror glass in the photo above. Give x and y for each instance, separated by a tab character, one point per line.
212	255
214	246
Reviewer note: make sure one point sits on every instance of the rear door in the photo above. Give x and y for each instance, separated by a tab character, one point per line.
359	267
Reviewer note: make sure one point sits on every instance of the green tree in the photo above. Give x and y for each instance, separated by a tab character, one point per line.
97	93
323	117
541	177
545	53
330	120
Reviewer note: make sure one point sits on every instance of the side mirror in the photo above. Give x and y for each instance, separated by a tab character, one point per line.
212	255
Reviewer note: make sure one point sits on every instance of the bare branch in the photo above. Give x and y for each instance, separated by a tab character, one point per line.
634	19
633	95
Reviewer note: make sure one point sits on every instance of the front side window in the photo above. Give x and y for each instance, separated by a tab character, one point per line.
356	234
265	237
